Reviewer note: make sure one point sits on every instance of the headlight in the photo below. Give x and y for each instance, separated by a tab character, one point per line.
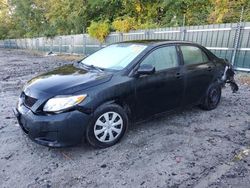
60	103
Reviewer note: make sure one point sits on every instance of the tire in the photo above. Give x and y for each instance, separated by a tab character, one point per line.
212	97
108	126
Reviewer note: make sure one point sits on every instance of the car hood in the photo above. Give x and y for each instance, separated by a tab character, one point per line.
64	80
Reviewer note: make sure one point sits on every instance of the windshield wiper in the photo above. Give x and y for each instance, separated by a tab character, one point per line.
91	67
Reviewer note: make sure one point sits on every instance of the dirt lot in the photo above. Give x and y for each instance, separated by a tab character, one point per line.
191	148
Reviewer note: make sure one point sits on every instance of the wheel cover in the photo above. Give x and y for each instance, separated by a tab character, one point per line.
108	127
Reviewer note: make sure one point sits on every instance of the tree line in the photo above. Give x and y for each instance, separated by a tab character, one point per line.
35	18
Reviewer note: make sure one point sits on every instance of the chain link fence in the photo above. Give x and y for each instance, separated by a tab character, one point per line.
229	41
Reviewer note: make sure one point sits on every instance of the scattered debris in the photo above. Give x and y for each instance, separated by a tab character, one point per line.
142	183
2	127
7	157
178	159
51	54
6	78
103	166
242	154
66	156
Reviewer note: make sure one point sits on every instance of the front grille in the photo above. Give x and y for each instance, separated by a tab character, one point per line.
29	101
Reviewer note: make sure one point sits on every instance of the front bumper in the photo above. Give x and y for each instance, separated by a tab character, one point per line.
57	130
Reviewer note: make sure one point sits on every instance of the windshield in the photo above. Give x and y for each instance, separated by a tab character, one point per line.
116	56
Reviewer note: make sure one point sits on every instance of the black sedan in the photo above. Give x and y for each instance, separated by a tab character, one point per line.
99	96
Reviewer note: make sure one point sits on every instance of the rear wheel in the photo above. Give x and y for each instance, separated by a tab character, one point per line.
108	126
212	98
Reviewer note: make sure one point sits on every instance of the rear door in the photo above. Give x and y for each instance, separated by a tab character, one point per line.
198	73
163	90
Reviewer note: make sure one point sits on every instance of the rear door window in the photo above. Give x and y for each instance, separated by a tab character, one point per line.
193	55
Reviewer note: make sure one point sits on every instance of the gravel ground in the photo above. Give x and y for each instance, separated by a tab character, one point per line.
189	148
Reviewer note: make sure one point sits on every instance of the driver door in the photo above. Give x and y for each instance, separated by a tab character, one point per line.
163	90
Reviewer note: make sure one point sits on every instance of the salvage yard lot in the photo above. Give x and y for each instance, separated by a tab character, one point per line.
188	148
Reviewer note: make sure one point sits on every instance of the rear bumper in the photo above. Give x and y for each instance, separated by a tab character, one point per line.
57	130
228	77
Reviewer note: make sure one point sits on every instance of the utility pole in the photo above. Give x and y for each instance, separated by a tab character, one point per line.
184	20
83	41
183	30
237	36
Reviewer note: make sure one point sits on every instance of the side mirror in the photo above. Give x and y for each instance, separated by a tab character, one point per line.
146	69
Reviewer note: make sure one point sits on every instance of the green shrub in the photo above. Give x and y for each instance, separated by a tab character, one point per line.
50	32
124	24
147	25
99	30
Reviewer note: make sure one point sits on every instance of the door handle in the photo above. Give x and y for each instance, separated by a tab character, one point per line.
209	68
178	75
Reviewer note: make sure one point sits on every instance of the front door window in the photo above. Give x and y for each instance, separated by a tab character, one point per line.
162	58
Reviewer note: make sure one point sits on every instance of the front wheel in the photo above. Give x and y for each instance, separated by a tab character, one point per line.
108	126
212	98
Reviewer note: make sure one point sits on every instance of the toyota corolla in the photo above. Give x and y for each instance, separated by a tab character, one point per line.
98	97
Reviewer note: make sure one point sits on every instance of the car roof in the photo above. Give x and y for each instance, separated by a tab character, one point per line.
157	42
